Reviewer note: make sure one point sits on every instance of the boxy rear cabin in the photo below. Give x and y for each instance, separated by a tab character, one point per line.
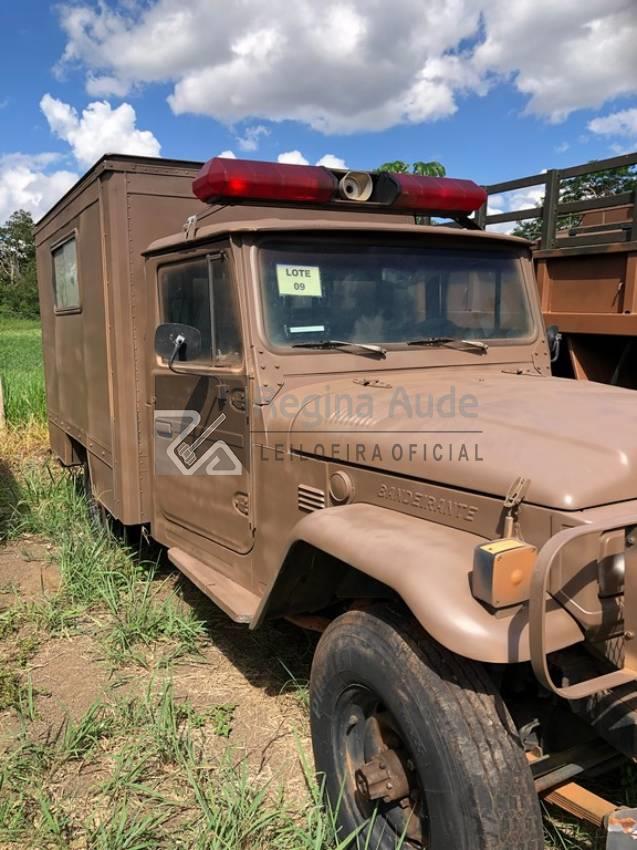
91	281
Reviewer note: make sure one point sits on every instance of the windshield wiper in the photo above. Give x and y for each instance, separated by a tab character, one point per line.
451	341
357	347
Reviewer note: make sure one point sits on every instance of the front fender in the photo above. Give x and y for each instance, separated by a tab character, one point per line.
428	566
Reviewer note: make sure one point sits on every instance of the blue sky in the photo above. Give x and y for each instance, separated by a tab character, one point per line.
493	89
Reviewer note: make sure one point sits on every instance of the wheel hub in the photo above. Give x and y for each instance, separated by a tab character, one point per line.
385	777
384	780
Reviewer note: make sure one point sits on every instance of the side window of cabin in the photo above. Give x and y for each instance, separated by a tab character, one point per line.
184	297
199	293
66	288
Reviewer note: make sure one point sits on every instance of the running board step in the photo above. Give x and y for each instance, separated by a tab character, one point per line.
233	599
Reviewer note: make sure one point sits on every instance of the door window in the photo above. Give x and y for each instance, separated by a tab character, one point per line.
228	350
200	293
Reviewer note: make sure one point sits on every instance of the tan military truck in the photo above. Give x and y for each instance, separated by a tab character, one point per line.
330	413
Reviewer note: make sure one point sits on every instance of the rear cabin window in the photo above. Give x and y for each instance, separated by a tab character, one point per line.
65	283
200	293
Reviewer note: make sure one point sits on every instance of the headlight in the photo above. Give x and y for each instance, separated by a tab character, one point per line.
610	574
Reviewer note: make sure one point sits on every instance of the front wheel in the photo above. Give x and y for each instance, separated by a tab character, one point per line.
416	748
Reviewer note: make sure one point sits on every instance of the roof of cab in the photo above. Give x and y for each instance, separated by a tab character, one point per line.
256	224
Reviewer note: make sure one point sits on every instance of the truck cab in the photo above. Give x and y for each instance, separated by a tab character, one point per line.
332	349
351	423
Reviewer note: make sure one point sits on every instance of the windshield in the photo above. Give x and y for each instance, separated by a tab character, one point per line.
315	291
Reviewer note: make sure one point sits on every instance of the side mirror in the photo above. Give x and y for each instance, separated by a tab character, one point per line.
174	341
554	339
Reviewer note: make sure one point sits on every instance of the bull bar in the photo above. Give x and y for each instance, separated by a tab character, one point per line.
546	560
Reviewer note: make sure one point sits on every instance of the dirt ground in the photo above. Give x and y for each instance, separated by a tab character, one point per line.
26	571
258	678
262	675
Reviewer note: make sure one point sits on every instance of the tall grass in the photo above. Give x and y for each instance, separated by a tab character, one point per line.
157	769
98	572
158	786
21	371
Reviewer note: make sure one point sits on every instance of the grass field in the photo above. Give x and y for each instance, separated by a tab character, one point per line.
21	371
133	715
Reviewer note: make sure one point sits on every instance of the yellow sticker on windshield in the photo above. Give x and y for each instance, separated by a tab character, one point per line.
299	280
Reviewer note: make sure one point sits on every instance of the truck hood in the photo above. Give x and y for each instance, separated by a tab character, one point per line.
575	441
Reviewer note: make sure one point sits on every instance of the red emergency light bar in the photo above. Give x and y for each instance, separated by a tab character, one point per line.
239	180
246	180
443	194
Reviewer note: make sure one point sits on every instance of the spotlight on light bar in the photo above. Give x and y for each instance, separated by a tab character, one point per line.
240	180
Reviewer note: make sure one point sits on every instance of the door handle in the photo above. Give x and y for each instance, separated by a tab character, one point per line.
163	428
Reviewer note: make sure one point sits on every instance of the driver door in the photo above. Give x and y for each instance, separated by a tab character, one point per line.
200	422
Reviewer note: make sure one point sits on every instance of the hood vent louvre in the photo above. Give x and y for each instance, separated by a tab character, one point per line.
310	498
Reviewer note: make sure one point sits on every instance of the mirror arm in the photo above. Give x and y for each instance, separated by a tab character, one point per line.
179	341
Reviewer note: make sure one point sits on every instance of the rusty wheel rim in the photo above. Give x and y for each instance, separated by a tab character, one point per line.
380	772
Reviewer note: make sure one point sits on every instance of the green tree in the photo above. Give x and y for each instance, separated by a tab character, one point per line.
395	167
598	185
18	281
427	169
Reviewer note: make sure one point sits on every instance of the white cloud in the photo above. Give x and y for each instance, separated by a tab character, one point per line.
525	198
34	183
504	226
106	86
622	123
518	199
25	183
331	161
565	56
251	137
99	130
297	158
292	158
350	65
227	155
619	150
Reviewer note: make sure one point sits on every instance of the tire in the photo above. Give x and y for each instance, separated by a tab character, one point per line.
378	684
99	517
